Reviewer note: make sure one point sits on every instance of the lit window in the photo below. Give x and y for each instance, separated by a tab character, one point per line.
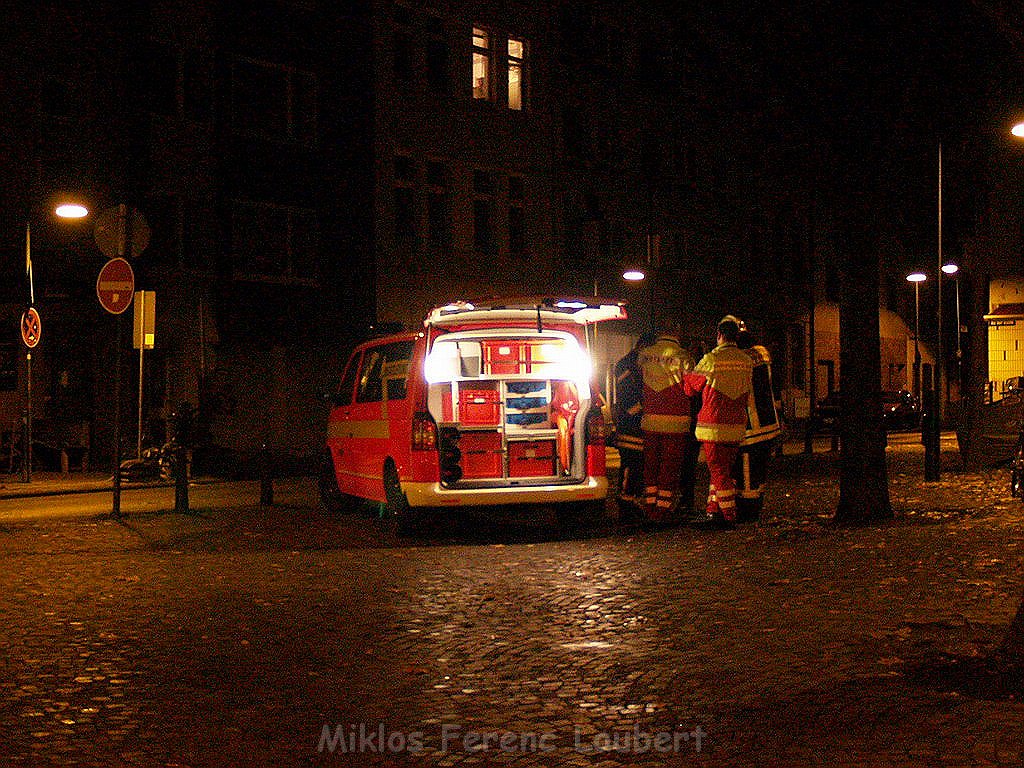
481	64
516	73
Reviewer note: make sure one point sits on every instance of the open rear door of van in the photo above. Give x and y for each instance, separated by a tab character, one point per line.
509	388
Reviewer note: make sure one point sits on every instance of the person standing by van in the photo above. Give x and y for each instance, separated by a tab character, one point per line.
665	422
723	378
629	436
762	433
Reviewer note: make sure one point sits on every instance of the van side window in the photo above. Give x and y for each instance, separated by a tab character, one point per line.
348	381
370	386
384	368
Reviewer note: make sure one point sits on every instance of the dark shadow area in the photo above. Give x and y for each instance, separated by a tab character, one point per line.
988	678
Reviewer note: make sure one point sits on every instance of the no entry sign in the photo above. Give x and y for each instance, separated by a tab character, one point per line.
115	286
31	328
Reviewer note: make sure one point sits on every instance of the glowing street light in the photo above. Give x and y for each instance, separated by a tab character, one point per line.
1018	130
71	211
634	275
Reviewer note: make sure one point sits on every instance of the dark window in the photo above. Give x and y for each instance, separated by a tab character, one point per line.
384	369
395	369
55	98
439	216
275	101
405	168
370	388
403	56
516	231
483	184
438	56
516	216
515	187
405	212
274	243
163	213
196	86
483	236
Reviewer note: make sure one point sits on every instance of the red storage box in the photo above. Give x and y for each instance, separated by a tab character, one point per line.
503	357
481	454
479	406
531	458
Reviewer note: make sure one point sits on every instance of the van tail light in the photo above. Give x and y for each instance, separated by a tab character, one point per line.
596	432
424	432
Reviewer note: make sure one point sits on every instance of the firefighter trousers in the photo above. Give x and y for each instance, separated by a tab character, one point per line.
722	489
663	457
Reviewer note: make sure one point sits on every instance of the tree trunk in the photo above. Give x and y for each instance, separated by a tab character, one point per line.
1012	648
863	476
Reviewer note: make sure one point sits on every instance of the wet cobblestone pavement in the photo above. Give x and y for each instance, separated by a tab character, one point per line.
233	638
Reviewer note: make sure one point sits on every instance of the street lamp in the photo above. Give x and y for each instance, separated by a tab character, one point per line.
935	437
917	278
64	211
953	271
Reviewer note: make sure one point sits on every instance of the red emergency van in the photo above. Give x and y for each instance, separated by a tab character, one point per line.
489	405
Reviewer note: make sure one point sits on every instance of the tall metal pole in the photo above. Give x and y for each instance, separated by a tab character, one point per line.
140	308
28	417
27	448
126	252
116	505
939	401
959	350
917	335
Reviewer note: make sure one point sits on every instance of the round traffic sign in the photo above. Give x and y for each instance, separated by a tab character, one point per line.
121	231
115	287
31	328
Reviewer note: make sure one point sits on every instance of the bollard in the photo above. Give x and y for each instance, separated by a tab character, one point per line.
181	479
266	478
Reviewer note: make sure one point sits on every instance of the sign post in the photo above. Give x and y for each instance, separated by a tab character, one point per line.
115	288
31	333
143	338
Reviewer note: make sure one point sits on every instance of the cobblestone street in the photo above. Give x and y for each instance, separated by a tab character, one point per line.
266	637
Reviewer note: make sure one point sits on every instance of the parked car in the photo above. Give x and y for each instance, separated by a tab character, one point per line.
900	410
489	405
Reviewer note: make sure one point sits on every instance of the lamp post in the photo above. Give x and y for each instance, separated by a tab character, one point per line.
933	467
917	278
63	211
953	271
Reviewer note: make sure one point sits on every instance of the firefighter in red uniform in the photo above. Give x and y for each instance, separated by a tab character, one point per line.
665	422
762	435
723	377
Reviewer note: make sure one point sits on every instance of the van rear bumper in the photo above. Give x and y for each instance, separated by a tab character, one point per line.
434	495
